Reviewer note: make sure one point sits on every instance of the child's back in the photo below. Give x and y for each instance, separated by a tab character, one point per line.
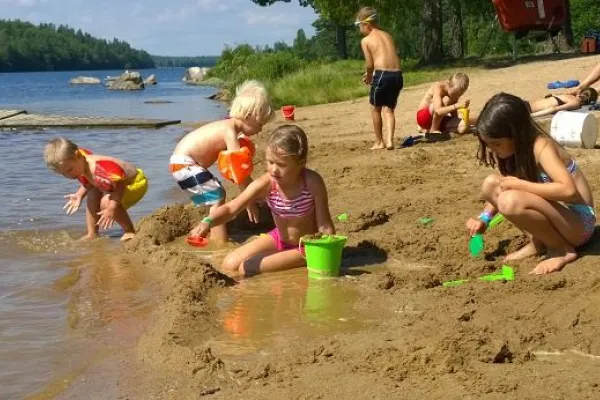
204	144
383	50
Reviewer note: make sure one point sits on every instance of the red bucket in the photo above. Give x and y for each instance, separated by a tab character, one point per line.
288	112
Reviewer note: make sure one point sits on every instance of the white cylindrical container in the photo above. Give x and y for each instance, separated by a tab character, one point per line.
574	129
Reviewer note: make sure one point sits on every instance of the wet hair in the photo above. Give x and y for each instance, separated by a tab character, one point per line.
367	15
506	116
459	81
251	100
588	96
290	139
59	150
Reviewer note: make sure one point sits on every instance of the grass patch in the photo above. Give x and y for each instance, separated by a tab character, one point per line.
340	81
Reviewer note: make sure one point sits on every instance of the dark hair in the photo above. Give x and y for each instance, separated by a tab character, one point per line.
506	116
291	139
588	96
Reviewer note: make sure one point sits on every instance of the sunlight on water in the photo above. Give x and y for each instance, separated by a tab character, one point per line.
273	310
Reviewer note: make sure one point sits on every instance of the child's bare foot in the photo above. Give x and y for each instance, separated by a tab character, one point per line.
88	237
378	146
127	236
555	261
531	249
389	146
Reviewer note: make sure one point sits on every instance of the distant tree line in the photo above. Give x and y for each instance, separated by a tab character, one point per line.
200	61
46	47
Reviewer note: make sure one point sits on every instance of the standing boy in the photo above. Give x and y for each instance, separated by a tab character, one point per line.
383	73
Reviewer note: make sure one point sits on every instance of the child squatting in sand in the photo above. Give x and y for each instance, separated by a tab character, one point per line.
199	149
383	73
297	197
540	189
111	185
437	112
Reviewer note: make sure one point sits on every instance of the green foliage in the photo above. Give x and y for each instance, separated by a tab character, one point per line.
46	47
200	61
586	16
244	62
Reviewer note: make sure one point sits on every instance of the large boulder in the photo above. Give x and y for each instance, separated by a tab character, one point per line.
151	80
85	80
195	75
126	81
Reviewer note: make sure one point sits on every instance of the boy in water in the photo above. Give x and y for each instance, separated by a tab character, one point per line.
200	149
383	73
437	110
111	185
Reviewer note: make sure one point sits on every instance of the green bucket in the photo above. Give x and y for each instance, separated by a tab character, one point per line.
324	255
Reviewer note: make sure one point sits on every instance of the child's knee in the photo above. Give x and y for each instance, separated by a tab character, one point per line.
231	264
510	203
489	186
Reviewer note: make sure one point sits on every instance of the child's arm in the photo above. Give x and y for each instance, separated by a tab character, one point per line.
319	191
231	140
257	189
107	216
369	65
562	187
438	106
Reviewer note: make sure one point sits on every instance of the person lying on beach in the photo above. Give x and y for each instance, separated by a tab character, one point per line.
383	73
437	112
297	197
592	79
540	189
199	149
111	185
551	104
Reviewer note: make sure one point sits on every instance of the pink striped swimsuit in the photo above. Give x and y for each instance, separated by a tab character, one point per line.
300	206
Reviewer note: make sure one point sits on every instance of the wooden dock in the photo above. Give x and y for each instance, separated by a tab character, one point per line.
13	119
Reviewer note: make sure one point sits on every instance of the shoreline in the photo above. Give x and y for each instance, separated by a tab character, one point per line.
484	340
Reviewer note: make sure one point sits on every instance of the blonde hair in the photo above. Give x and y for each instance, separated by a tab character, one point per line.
459	81
59	150
251	100
367	15
291	139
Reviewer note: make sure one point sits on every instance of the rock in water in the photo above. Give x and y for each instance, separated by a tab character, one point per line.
85	80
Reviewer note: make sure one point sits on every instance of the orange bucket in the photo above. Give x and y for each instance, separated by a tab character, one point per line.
288	112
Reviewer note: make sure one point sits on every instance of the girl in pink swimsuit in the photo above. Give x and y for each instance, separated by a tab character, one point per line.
297	197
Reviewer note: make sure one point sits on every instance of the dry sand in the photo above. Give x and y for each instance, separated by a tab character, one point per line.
535	337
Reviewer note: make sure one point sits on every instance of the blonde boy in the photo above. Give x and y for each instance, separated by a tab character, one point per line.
437	110
200	149
383	73
111	185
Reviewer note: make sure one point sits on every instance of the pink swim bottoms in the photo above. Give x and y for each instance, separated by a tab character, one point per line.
281	245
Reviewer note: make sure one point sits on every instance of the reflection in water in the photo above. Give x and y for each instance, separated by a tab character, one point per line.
90	296
272	310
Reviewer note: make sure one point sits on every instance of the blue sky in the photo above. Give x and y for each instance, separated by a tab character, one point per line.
171	27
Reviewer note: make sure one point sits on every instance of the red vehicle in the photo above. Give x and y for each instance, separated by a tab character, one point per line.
526	15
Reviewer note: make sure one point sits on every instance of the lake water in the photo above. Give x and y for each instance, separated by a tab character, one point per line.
59	298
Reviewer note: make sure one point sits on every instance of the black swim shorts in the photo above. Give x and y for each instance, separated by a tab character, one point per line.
385	88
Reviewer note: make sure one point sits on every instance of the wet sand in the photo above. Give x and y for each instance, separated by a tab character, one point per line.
534	337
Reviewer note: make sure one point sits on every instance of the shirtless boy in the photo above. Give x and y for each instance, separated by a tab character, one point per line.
200	149
383	73
437	109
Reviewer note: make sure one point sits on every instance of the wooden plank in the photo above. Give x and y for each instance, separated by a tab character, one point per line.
10	113
25	120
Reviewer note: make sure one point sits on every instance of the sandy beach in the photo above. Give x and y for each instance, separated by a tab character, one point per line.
534	337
